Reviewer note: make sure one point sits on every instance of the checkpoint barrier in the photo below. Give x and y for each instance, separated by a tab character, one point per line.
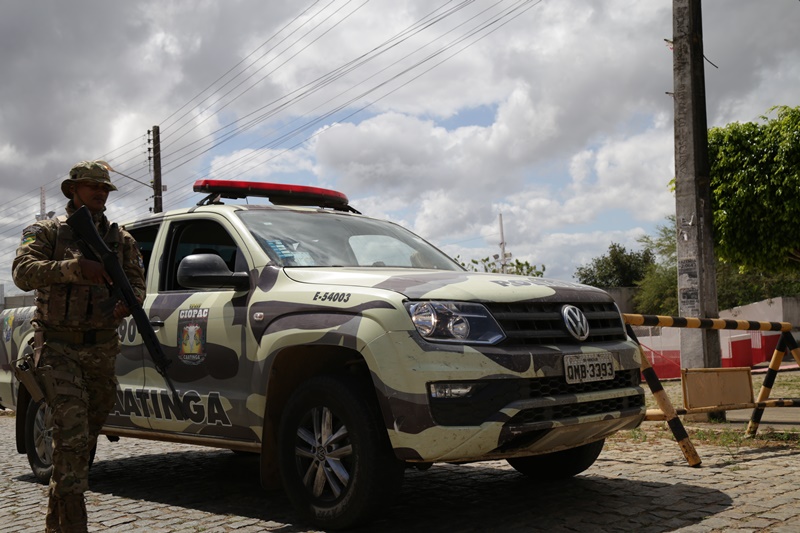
656	414
674	423
786	344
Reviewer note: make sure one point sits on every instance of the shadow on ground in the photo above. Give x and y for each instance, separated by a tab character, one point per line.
446	497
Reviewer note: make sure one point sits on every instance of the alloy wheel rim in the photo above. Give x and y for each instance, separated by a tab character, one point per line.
323	453
43	434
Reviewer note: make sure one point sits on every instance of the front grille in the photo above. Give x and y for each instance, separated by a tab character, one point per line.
538	323
490	396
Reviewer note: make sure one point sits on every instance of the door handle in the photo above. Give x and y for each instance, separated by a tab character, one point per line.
157	323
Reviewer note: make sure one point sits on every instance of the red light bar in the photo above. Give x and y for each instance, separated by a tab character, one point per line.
277	193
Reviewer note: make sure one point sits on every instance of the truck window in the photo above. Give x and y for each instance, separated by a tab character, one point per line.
383	250
324	238
145	239
199	237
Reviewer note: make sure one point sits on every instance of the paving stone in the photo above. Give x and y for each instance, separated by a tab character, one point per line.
646	487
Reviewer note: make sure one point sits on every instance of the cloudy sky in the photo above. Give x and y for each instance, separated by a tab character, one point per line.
440	115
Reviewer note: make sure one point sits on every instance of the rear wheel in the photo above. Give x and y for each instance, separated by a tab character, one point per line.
558	465
39	441
336	463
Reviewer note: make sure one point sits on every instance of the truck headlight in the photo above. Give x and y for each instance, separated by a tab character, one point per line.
455	322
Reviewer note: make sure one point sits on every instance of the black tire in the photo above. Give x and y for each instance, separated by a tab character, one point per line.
39	441
345	482
558	465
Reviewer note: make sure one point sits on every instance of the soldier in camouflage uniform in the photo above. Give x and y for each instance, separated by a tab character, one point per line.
76	324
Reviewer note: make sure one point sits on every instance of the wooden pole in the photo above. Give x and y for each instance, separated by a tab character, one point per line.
157	206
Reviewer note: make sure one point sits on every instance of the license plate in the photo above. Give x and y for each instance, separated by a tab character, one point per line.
586	367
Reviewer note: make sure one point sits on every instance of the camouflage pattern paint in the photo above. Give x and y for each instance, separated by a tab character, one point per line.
239	339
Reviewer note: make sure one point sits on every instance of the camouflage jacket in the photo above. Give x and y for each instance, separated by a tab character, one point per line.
47	262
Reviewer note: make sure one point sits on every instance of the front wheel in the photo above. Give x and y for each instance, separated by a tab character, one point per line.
39	441
558	465
335	460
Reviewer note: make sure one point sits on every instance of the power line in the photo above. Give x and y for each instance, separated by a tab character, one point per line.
330	76
166	122
509	14
182	156
333	78
308	89
197	124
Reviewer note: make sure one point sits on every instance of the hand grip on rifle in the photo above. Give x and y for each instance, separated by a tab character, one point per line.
93	247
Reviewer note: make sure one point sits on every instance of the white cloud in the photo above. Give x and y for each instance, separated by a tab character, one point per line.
577	152
259	165
631	174
9	155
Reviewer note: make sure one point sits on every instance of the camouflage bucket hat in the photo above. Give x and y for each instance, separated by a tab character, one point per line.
96	171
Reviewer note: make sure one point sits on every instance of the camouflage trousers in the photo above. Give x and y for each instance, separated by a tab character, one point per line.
80	388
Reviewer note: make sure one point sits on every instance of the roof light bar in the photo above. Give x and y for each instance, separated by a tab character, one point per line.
277	193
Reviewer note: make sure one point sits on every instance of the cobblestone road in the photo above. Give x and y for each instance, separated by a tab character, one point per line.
634	486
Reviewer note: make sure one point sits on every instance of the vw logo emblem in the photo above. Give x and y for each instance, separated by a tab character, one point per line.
576	322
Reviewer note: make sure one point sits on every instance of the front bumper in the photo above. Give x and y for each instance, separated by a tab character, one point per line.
524	426
521	404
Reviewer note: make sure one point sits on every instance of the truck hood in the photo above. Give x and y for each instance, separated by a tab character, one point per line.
453	285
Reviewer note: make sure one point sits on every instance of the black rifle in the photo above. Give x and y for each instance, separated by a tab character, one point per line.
93	247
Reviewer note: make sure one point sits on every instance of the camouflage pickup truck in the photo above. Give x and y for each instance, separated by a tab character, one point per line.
345	349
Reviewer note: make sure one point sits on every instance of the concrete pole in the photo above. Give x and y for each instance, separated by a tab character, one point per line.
697	289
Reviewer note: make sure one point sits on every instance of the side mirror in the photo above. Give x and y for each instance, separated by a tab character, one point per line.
209	271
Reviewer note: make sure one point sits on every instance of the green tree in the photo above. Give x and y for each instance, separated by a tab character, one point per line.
618	268
658	289
755	189
736	285
520	268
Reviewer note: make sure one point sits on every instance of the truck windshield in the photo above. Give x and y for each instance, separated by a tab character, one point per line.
323	238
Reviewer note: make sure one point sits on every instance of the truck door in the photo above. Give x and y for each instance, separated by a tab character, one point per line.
130	370
204	334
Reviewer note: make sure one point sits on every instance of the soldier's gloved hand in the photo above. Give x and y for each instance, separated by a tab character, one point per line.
94	271
121	310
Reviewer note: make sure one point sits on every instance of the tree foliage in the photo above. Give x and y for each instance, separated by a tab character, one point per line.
755	189
618	268
736	285
658	289
520	268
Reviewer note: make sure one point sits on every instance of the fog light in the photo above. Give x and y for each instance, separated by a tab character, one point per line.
450	390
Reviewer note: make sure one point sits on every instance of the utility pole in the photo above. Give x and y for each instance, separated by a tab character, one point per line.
43	214
42	206
502	247
697	287
503	257
157	207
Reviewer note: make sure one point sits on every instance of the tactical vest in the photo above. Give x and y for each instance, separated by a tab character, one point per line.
78	306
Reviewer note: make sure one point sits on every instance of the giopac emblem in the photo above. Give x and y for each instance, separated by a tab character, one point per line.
8	324
192	325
